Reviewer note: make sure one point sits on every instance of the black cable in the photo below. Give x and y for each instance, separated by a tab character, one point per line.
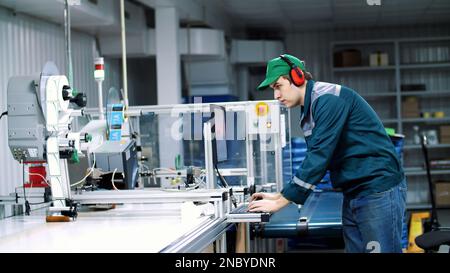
221	178
225	185
27	205
434	222
3	114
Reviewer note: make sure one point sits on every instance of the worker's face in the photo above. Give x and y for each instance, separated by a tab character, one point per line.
285	92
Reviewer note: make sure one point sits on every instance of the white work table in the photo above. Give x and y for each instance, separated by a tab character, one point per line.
127	228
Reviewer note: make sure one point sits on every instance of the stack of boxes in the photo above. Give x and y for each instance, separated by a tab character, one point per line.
442	193
445	134
410	108
379	59
443	187
348	57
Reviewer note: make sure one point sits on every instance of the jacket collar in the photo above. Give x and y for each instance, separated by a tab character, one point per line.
307	103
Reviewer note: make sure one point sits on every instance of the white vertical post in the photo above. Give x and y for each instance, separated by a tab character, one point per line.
99	75
168	72
210	171
100	99
68	42
168	68
124	52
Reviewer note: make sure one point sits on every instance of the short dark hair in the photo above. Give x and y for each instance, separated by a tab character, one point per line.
308	76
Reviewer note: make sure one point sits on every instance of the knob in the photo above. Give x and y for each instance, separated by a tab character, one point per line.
80	99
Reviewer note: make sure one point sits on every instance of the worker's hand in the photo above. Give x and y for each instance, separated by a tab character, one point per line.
265	195
268	205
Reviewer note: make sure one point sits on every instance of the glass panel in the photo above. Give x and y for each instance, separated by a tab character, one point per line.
172	140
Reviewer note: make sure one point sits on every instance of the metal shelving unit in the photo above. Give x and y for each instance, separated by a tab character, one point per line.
364	68
416	146
426	120
425	66
379	95
425	206
397	67
445	93
418	206
409	172
411	61
389	120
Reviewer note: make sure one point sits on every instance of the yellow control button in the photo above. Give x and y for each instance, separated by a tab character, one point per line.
262	109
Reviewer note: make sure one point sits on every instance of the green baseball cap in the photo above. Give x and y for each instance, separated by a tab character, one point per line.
278	67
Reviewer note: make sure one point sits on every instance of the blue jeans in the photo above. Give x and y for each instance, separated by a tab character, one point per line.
374	223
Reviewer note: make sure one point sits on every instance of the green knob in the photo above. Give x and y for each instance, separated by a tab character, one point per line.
74	158
74	92
390	131
88	137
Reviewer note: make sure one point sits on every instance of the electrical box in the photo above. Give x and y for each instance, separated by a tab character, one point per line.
120	156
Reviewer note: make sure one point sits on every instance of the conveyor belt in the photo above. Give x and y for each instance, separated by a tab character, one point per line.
320	216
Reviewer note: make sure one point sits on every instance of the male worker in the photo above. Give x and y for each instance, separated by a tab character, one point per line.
344	135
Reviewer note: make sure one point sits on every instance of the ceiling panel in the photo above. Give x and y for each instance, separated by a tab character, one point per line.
310	13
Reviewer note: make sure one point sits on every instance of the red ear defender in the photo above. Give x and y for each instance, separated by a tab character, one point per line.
296	74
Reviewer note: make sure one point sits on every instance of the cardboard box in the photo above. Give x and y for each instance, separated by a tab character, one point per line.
442	193
349	57
379	59
411	114
410	108
444	131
